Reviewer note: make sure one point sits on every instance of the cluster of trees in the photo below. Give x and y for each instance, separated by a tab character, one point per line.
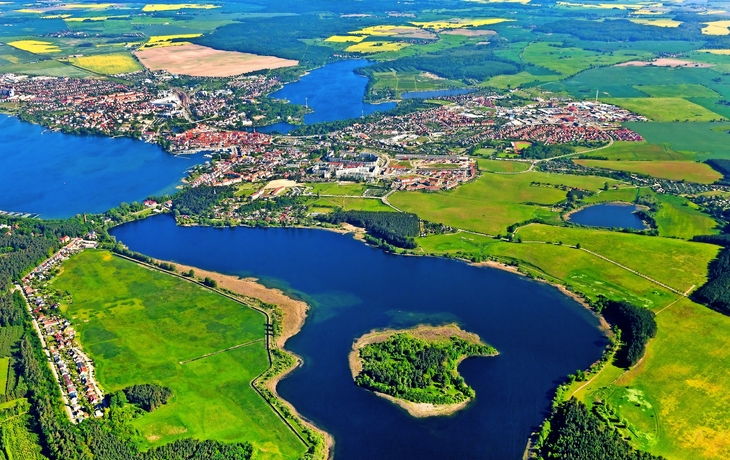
148	396
574	433
397	229
539	150
416	370
715	293
12	309
198	200
637	326
466	63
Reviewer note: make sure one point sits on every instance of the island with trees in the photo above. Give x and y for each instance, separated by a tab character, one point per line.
417	368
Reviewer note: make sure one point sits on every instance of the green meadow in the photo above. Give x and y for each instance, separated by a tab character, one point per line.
690	171
495	201
666	108
707	140
641	151
139	324
502	166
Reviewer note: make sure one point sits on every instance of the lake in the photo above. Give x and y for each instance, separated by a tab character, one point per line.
334	92
59	175
610	215
541	334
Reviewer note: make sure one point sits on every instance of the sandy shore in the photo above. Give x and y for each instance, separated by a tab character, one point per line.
424	332
295	311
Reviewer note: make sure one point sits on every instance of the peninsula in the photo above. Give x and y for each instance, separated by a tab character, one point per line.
417	368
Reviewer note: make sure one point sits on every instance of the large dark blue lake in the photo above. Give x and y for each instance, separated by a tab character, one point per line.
334	92
542	335
610	215
59	175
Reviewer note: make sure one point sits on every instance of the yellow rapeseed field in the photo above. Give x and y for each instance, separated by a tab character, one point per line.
657	22
345	39
94	18
722	52
157	41
180	6
717	28
35	46
376	47
107	64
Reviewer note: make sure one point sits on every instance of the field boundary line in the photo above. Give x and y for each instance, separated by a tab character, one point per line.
207	355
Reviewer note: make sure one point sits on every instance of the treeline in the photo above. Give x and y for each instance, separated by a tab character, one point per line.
413	369
395	228
715	293
637	326
572	432
30	242
148	396
197	200
721	166
539	150
620	30
466	63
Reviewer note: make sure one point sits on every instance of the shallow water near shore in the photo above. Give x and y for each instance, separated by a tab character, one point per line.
541	334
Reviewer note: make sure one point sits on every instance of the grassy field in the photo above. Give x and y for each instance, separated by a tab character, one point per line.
502	166
666	108
676	263
138	325
328	204
411	81
494	201
571	60
680	218
707	140
18	441
4	367
641	151
690	171
680	90
336	188
107	64
674	399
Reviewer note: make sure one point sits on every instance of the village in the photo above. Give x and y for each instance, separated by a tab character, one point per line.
71	366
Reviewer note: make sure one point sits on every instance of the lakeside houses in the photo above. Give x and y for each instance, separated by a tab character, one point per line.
72	368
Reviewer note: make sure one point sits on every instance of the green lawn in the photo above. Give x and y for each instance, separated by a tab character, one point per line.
676	263
665	108
138	324
494	201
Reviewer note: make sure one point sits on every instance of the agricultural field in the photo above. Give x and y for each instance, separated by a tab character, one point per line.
494	201
676	263
337	188
568	61
107	64
212	398
329	204
680	218
202	61
690	171
666	109
641	151
502	166
152	7
35	46
688	90
4	369
376	46
402	81
706	140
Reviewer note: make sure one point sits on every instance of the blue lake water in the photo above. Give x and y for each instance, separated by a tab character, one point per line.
334	92
610	215
541	334
435	93
60	175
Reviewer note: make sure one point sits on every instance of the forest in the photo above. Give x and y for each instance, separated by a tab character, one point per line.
539	150
574	433
416	370
30	242
394	228
198	200
715	293
721	166
637	326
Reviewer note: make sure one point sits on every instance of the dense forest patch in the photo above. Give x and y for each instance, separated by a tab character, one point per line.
397	229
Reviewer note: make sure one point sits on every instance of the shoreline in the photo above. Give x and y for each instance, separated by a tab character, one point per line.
425	332
294	315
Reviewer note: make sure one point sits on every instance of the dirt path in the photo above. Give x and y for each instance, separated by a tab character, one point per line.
221	351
